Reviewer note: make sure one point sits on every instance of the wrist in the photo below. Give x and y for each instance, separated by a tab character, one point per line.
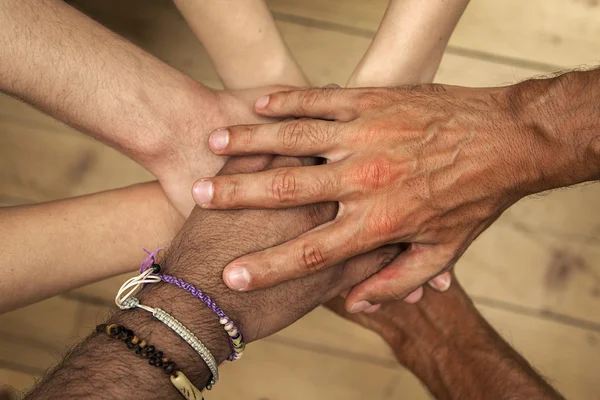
192	313
202	274
560	116
189	110
200	320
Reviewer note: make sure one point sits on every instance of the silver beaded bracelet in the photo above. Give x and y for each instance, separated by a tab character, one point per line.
183	332
125	300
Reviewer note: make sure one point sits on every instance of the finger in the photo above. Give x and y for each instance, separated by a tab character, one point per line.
325	103
367	321
405	274
296	137
357	269
414	296
275	188
368	310
242	165
311	252
441	282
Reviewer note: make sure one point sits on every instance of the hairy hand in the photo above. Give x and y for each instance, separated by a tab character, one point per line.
211	238
428	165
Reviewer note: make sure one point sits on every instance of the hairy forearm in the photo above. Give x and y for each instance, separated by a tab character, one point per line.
53	247
563	114
452	349
103	367
409	44
482	369
243	42
457	354
470	360
56	58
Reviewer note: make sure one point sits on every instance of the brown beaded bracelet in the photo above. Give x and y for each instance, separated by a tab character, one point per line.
154	357
139	347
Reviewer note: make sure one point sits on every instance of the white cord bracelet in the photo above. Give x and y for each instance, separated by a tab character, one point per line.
125	301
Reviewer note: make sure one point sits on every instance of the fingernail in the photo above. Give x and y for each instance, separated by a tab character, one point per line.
332	86
203	192
237	278
415	296
440	283
219	139
262	102
360	306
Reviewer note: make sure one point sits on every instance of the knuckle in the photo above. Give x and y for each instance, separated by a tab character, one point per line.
291	134
301	133
374	174
310	258
309	98
284	186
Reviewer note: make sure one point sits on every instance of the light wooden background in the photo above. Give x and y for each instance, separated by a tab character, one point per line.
535	274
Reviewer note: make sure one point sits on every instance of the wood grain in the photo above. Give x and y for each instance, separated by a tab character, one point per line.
535	274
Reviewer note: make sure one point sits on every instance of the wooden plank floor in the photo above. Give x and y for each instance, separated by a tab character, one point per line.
535	274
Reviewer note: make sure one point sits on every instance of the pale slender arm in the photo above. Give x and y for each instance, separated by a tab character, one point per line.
56	58
59	60
243	42
52	247
409	43
57	246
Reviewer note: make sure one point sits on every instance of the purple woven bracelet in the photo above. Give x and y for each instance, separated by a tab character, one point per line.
236	341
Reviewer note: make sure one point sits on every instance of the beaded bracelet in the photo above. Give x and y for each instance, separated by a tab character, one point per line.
236	339
155	358
128	302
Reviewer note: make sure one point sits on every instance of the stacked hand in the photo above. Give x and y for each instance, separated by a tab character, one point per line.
209	239
163	123
187	154
420	165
